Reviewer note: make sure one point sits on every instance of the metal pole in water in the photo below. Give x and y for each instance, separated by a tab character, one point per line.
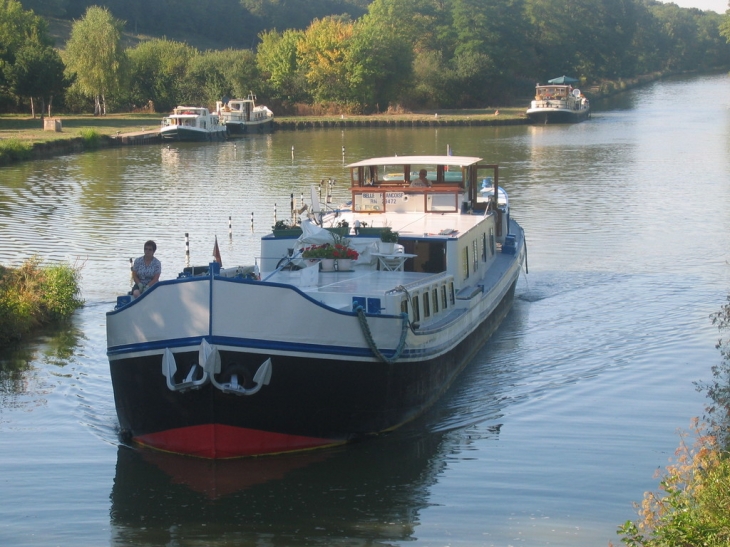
274	213
251	221
291	205
292	152
230	230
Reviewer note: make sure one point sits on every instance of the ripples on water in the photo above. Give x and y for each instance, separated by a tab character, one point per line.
546	439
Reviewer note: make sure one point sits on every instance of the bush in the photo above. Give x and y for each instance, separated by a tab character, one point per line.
694	508
12	150
33	295
91	138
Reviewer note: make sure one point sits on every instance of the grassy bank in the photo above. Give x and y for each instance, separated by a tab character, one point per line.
34	295
23	138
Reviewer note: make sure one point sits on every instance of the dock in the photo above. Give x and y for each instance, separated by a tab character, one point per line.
151	136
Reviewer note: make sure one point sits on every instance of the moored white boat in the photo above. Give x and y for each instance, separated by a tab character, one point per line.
285	356
244	115
192	123
559	102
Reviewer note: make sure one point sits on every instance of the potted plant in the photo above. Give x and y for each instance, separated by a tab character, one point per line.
282	228
342	228
388	239
337	255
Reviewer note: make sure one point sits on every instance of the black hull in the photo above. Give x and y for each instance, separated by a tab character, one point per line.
311	401
557	116
242	128
193	136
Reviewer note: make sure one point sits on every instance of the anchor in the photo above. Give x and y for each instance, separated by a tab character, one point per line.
169	368
211	359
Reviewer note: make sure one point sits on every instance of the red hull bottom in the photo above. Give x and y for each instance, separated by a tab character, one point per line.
223	441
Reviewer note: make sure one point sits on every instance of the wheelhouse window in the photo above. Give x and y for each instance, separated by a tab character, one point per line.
426	305
435	299
465	263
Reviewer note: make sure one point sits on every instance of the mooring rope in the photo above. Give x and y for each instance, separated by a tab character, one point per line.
371	343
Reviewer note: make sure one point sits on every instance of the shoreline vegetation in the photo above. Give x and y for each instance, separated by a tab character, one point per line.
23	138
35	295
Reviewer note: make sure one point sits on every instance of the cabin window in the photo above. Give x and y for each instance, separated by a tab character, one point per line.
452	294
426	305
491	241
475	253
444	300
466	262
416	309
484	247
435	298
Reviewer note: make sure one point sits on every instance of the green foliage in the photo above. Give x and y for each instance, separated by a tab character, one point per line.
388	235
91	138
34	295
693	507
353	55
38	73
12	150
158	72
95	55
718	391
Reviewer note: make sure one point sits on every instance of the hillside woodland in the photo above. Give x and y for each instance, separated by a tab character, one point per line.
336	56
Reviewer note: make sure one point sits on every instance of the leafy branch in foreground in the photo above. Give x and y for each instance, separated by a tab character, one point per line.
693	507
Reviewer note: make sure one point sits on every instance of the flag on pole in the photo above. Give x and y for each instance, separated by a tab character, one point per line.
217	252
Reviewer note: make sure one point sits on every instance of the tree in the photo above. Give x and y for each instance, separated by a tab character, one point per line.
158	70
38	73
323	51
94	54
17	29
276	58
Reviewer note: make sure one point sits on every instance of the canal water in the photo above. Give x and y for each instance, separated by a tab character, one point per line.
547	438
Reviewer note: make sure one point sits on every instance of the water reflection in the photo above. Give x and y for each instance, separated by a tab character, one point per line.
22	366
368	493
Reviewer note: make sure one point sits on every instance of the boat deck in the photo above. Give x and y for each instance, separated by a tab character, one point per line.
336	289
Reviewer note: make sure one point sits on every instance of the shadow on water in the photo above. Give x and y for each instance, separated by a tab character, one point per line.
366	493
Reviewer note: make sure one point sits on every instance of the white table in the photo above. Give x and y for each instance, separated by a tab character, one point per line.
392	262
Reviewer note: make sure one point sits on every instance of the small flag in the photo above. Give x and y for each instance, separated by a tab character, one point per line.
217	252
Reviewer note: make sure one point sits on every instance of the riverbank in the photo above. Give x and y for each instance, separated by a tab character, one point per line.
23	138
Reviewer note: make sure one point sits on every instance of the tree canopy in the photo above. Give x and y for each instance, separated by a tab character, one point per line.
95	56
358	55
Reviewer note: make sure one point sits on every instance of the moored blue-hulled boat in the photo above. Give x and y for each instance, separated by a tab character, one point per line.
192	124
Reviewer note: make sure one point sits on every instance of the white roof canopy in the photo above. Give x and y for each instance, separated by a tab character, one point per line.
458	161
